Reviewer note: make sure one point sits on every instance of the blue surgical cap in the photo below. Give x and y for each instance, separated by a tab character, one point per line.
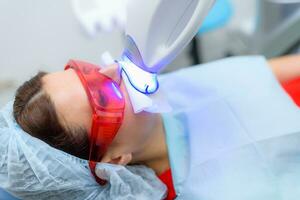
31	169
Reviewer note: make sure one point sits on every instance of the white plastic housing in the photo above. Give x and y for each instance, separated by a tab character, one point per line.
158	30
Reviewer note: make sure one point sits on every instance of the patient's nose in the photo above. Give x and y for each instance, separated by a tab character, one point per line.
113	72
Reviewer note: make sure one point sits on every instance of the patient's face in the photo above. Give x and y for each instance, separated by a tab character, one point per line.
73	108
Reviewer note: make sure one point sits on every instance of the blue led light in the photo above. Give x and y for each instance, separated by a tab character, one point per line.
143	81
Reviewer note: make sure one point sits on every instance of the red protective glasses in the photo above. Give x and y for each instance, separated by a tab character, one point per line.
108	105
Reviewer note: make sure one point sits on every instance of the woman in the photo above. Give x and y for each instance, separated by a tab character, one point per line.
209	141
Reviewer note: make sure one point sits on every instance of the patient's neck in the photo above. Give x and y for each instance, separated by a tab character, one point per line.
155	154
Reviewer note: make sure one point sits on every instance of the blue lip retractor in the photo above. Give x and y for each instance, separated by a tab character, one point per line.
143	81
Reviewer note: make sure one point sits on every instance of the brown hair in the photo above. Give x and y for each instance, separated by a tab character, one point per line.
35	113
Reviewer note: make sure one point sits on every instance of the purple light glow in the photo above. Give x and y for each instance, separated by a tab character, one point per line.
117	92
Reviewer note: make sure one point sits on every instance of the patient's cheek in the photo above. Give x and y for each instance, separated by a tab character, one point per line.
128	105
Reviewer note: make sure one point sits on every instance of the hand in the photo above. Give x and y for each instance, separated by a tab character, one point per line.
286	68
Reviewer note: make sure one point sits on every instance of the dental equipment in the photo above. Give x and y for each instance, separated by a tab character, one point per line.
156	32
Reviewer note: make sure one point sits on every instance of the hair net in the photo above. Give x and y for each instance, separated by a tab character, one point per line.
31	169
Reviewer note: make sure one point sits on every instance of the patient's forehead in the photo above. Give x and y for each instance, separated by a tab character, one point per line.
69	97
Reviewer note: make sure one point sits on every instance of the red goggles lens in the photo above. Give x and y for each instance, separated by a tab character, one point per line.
107	103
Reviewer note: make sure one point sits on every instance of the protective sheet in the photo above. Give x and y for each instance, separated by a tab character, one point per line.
234	133
30	169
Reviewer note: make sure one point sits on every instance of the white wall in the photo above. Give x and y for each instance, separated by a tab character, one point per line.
43	35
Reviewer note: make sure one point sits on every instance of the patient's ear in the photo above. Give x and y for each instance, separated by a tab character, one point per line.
123	159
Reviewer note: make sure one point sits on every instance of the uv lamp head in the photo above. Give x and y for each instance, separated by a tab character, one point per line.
157	31
142	80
